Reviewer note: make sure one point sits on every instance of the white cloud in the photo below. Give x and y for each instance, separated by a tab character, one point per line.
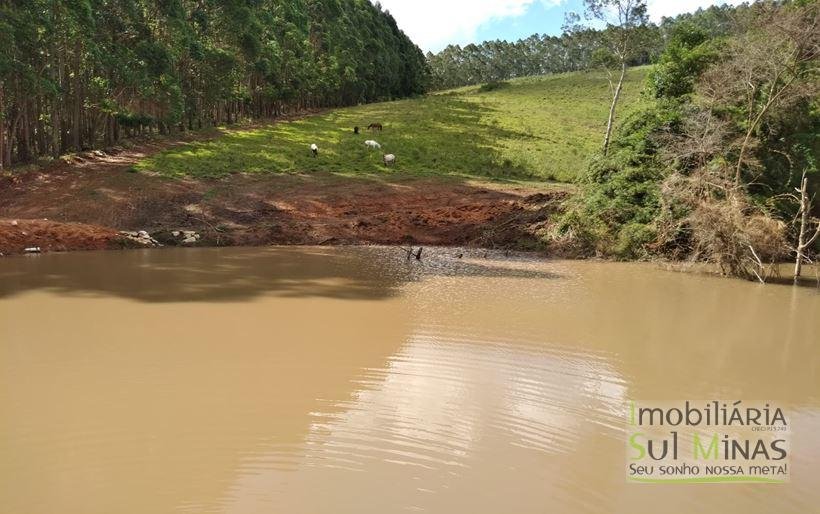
433	24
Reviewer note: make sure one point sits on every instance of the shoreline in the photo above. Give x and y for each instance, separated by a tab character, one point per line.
90	204
99	243
48	236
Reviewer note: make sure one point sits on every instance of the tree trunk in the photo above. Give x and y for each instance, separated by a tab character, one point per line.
55	129
10	138
804	220
615	97
2	126
76	127
24	135
40	128
804	241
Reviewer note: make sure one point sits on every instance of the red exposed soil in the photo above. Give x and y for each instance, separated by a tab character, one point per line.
88	200
50	236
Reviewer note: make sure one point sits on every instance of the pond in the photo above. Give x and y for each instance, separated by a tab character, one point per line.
351	380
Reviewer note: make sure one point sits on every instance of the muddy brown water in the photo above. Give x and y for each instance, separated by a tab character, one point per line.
317	380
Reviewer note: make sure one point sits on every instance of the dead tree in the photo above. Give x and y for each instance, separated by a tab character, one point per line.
804	238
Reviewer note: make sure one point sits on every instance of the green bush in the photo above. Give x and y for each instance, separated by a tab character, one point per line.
689	52
633	239
620	201
493	86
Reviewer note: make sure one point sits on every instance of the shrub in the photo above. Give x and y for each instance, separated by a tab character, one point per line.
493	86
620	200
633	239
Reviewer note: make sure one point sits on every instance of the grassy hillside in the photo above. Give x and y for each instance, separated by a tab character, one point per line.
542	128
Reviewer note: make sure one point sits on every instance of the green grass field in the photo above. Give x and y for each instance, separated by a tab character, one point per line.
536	129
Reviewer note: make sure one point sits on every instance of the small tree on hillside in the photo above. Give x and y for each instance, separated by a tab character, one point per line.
624	38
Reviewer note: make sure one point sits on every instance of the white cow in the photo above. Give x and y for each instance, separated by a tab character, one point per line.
372	144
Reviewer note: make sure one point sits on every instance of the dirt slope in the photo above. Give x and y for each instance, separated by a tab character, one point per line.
82	204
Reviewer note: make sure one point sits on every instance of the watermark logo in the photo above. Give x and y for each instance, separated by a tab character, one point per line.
708	441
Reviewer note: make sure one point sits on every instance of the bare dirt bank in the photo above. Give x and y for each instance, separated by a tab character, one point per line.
50	236
84	203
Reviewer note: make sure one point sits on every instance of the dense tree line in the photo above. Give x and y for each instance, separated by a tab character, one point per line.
578	48
78	74
492	61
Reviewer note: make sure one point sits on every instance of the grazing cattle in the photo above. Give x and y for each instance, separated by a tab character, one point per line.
314	150
372	144
356	130
389	159
375	126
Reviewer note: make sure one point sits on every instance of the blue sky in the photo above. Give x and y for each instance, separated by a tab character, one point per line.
539	18
433	24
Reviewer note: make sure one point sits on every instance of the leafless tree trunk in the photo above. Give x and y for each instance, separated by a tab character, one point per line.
2	125
804	240
615	97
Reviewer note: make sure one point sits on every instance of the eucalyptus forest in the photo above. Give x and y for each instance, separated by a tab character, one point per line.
81	74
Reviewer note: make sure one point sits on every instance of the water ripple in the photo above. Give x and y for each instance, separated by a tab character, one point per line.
438	398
